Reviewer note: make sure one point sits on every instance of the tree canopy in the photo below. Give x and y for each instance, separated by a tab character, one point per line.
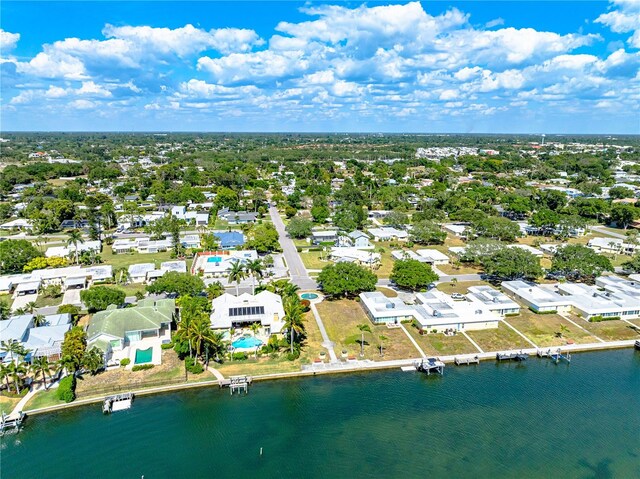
346	279
512	263
579	263
427	232
299	227
15	254
98	298
412	274
179	283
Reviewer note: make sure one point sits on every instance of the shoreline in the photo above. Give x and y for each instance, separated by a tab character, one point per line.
344	368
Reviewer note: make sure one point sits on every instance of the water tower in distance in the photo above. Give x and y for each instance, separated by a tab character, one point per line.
543	135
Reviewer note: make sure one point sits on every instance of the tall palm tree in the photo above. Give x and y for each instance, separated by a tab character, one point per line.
283	287
214	290
255	327
39	320
93	360
4	374
30	306
382	338
121	275
200	333
256	269
237	273
16	369
363	327
75	238
41	365
293	317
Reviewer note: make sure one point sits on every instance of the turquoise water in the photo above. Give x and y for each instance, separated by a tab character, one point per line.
530	420
143	356
309	296
246	342
214	259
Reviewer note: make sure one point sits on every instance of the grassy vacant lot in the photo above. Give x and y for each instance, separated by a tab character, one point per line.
127	259
614	330
7	404
312	260
170	371
41	301
341	319
461	287
439	344
542	329
498	339
265	365
464	268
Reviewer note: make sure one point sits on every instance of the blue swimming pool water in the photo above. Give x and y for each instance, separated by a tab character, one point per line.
214	259
143	356
246	342
309	296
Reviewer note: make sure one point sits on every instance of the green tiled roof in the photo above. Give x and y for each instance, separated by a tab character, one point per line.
147	315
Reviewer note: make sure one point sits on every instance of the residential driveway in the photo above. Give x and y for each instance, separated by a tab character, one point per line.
22	301
297	271
72	296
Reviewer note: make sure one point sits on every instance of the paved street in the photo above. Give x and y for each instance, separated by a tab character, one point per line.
297	271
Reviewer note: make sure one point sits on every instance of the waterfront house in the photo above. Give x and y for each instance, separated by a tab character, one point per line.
536	298
45	340
381	309
229	311
493	299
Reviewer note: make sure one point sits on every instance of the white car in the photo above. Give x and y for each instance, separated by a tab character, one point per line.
457	297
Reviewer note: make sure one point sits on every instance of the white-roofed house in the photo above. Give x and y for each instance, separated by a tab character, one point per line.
534	251
438	312
382	309
355	239
217	264
455	229
536	298
494	300
66	251
229	311
433	256
138	272
355	255
388	233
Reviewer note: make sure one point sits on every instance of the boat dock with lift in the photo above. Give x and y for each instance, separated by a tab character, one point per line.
512	356
236	383
429	366
10	423
556	356
119	402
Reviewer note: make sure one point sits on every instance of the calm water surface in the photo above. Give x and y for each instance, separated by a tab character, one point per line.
511	421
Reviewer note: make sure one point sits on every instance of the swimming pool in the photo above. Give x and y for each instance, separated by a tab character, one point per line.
143	356
214	259
309	296
246	342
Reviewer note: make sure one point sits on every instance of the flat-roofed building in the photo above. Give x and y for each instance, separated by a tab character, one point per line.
493	299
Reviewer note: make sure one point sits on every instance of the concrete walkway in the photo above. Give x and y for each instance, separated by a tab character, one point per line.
23	402
580	327
216	373
475	345
521	335
326	342
413	341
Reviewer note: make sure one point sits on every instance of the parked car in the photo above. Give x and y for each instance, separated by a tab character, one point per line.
457	297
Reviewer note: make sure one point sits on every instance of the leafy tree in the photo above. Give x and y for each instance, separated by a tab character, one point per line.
290	211
320	213
17	369
15	254
412	274
214	290
633	265
41	263
264	239
623	215
73	348
98	298
179	283
426	233
397	219
579	262
5	310
299	227
346	279
497	228
620	192
71	309
512	263
545	219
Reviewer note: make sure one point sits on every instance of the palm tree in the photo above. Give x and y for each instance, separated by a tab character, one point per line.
200	333
363	327
121	275
255	327
454	281
75	237
39	320
16	369
293	317
5	310
30	306
562	331
215	289
237	273
93	360
283	287
41	365
382	338
256	269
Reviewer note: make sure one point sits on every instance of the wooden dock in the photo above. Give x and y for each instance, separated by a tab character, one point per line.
429	366
119	402
512	356
10	423
236	383
466	360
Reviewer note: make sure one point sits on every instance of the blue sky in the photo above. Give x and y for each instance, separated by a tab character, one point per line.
506	66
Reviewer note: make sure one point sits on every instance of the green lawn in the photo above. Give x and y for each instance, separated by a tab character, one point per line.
498	339
7	404
43	399
439	344
127	259
312	260
341	319
459	287
614	330
543	329
42	301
